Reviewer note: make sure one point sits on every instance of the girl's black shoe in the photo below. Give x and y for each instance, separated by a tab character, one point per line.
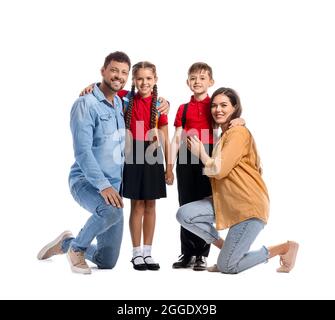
151	266
139	266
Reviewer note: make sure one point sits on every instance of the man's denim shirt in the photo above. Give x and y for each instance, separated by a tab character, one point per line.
98	131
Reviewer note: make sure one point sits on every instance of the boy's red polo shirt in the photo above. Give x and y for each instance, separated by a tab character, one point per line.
198	119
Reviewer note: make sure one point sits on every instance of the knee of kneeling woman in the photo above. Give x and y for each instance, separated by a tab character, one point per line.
180	216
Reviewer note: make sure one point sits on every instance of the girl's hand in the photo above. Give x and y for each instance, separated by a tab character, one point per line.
237	122
164	106
169	177
87	90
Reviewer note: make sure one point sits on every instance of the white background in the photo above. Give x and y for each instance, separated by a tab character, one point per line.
279	55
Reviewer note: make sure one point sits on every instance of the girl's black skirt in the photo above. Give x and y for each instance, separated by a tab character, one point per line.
144	176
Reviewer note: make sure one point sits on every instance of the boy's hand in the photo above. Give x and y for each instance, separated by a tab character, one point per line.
87	90
112	197
164	106
237	122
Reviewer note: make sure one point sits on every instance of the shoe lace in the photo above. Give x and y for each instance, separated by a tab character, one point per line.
80	259
283	262
200	259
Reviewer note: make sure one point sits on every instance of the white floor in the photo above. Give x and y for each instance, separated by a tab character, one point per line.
30	279
24	277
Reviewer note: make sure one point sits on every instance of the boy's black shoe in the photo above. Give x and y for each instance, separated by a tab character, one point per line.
184	262
200	263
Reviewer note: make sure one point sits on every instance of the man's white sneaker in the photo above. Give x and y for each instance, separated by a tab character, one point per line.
77	262
54	247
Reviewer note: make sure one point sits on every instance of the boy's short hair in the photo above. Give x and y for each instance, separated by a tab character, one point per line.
200	66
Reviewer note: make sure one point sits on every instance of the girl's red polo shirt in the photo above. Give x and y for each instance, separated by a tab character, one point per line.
141	116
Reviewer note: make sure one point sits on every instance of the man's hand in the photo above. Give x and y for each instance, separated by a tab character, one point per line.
112	197
164	106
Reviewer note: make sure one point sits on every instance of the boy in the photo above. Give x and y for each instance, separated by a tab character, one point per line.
194	118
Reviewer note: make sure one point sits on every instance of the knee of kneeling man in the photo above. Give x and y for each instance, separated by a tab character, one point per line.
108	265
224	267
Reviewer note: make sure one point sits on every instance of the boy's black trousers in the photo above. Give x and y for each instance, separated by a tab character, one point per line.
193	185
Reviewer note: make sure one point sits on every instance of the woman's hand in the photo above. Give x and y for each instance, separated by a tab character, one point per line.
195	146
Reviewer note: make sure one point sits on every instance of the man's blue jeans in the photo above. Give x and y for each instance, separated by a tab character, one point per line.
105	224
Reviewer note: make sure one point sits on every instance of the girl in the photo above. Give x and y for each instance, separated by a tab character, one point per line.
144	177
240	199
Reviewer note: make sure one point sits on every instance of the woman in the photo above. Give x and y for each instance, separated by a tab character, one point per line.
240	199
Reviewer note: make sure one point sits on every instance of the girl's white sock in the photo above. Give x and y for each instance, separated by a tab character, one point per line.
147	253
137	252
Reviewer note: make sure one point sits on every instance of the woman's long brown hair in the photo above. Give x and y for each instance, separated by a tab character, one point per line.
234	100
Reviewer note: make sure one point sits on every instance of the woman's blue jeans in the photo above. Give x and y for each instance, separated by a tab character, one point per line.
198	217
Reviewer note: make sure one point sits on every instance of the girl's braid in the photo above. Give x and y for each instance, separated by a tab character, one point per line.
153	109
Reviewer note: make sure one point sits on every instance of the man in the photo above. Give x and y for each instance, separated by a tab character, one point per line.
97	127
98	131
